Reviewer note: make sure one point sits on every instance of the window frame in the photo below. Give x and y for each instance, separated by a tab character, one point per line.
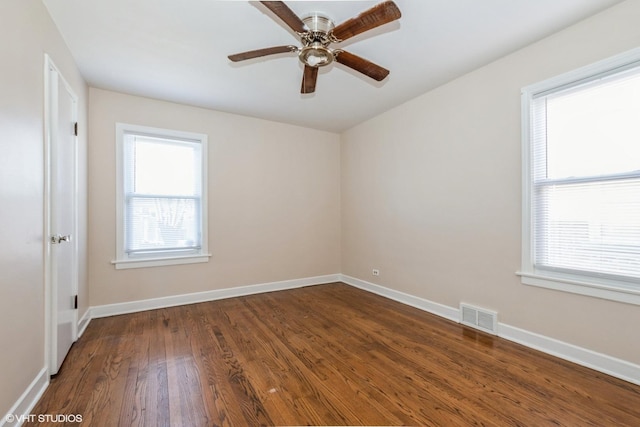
124	260
588	284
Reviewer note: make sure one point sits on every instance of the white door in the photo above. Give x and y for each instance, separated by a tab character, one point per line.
62	216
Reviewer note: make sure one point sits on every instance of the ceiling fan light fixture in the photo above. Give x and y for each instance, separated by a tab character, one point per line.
316	55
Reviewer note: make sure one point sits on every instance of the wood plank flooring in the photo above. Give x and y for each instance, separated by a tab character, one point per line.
321	355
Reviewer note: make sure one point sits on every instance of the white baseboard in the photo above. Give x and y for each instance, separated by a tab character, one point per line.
597	361
417	302
175	300
84	322
23	406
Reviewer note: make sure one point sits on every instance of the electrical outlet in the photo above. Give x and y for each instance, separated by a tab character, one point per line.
376	272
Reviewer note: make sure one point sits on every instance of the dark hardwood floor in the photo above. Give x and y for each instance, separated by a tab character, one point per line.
321	355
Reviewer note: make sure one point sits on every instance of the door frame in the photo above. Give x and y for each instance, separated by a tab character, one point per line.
51	88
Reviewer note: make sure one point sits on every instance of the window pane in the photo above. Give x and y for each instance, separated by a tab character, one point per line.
589	227
594	130
162	223
165	167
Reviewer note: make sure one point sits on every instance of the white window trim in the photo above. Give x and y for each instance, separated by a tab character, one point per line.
600	288
124	262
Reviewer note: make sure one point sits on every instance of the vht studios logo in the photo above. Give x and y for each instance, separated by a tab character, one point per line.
44	418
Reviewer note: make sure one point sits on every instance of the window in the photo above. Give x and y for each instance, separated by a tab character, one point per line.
581	181
161	198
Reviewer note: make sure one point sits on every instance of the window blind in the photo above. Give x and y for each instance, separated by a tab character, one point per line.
162	195
586	177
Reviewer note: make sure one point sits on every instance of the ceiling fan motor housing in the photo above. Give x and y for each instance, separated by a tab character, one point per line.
316	40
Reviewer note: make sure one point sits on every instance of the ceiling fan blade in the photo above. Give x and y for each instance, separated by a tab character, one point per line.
288	17
380	14
361	65
309	79
261	52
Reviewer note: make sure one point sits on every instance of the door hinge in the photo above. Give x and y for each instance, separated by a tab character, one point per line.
75	302
75	128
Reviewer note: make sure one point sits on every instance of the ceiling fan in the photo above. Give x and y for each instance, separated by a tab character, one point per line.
317	32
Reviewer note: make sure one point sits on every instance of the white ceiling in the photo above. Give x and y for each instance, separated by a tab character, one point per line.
176	50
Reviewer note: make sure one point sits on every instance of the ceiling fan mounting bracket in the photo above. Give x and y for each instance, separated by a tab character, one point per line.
318	26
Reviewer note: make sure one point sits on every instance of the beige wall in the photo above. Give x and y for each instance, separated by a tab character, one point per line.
27	34
274	201
431	193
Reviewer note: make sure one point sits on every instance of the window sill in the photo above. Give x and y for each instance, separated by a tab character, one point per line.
574	284
122	264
